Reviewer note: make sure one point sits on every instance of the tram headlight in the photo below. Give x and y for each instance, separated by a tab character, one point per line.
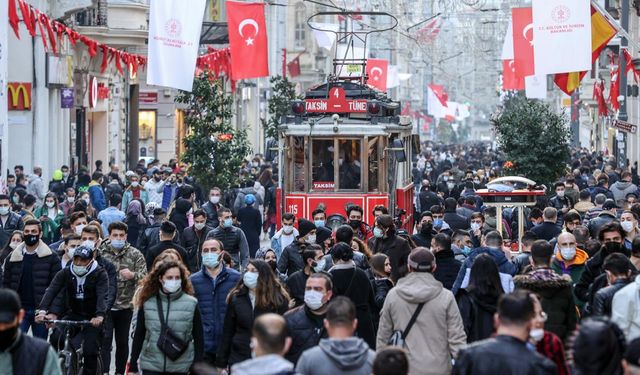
373	107
297	107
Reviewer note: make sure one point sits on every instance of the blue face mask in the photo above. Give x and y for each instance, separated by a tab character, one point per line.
466	250
228	223
438	222
117	244
319	223
378	233
211	260
250	279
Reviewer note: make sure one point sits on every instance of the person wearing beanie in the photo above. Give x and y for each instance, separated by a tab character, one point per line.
353	283
291	258
251	223
323	238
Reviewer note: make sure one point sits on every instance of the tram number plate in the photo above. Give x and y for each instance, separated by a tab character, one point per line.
336	103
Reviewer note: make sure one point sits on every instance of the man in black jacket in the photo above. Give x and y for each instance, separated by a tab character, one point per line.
313	262
29	270
447	267
9	221
548	230
151	236
607	215
291	260
232	238
427	197
306	322
425	230
167	233
507	353
84	288
193	238
452	218
212	206
618	270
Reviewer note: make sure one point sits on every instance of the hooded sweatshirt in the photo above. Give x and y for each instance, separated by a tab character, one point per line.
350	356
265	365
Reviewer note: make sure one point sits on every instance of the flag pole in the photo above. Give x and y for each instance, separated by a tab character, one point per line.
615	24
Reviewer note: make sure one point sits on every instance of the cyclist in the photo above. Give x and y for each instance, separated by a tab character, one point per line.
80	293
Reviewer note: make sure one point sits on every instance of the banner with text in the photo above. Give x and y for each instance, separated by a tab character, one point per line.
174	38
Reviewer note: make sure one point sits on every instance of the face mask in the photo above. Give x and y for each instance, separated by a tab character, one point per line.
172	286
378	233
466	250
211	260
320	265
135	184
13	245
7	337
79	228
71	251
214	200
199	226
117	244
535	224
567	253
31	239
425	229
438	223
477	182
355	224
250	279
71	199
89	244
319	223
87	201
536	334
287	229
445	178
50	204
475	226
613	247
313	299
11	186
65	174
80	270
142	183
311	239
4	211
157	178
627	226
273	264
450	185
228	223
560	193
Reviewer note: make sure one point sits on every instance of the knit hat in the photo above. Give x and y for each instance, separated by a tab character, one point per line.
249	199
305	226
322	234
57	175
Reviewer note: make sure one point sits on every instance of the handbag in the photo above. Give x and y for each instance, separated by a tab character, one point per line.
398	337
169	343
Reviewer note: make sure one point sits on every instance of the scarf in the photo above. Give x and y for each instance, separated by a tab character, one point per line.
135	210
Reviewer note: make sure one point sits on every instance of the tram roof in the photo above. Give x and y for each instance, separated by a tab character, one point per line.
348	127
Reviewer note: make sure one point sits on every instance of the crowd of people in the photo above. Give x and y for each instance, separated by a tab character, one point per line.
172	279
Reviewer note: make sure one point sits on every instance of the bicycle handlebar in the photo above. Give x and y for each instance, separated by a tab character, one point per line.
68	322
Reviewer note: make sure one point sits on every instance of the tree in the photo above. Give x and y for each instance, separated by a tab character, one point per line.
533	138
214	149
283	91
445	132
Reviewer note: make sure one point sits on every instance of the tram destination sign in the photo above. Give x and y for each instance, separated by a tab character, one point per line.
624	126
336	103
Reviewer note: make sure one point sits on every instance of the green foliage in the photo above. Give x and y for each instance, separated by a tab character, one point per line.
534	138
213	162
445	133
282	92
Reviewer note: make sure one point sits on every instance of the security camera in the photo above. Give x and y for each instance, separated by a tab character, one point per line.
335	117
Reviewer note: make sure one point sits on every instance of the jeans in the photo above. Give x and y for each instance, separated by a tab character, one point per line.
119	326
38	330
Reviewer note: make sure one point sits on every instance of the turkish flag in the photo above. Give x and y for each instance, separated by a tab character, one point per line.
247	40
294	67
523	41
441	95
377	73
510	80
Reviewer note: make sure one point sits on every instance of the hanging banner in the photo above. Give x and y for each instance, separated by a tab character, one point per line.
377	70
174	38
523	42
562	35
507	45
66	97
536	86
247	40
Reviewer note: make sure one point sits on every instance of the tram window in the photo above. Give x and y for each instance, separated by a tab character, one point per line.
374	164
322	169
350	164
298	163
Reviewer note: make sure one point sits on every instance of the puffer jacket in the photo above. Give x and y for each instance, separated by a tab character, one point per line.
212	295
625	309
603	298
556	297
130	258
447	268
620	190
45	267
306	330
438	333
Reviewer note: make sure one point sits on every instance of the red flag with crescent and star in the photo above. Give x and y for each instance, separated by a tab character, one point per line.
523	41
377	73
247	40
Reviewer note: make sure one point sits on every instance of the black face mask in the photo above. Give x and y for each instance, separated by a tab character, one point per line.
273	264
7	337
31	239
615	247
426	229
355	224
157	178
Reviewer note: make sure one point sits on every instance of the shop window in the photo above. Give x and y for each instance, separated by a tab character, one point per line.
322	167
147	134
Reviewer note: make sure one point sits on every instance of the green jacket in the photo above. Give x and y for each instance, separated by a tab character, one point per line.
180	309
50	227
51	365
128	257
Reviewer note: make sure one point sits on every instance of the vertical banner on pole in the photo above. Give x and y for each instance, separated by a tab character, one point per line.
4	119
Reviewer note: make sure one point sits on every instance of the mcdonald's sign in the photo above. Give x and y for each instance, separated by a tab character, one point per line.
19	96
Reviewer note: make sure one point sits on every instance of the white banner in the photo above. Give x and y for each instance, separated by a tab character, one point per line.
536	86
434	106
561	36
327	36
507	46
174	38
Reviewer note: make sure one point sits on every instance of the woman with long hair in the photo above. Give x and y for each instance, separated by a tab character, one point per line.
478	302
379	275
135	220
258	292
14	241
50	217
165	299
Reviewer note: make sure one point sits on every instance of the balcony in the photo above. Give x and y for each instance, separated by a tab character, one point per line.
116	22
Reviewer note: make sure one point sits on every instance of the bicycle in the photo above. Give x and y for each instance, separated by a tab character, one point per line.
71	359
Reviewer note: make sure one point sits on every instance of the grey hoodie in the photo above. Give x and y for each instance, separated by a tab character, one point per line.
350	356
265	365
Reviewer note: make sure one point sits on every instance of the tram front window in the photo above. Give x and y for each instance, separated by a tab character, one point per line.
298	163
350	165
322	168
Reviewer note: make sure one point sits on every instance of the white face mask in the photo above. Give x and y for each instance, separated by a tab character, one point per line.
287	229
134	184
172	286
13	245
568	253
536	334
214	200
560	193
79	228
50	204
627	226
199	226
311	239
313	299
475	226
